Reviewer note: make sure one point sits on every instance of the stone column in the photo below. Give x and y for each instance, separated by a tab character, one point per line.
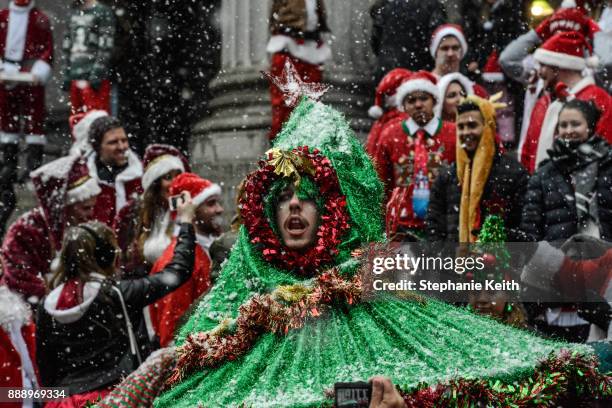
227	143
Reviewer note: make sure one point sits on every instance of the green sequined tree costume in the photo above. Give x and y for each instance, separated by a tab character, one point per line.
414	343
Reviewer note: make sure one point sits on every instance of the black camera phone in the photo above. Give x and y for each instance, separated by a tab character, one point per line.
175	201
352	394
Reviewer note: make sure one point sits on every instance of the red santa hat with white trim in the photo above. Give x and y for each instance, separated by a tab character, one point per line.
423	81
200	188
444	83
61	183
446	30
492	72
160	159
79	125
565	50
385	91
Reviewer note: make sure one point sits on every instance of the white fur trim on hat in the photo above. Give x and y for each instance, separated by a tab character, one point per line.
160	166
492	76
375	112
559	60
80	132
415	85
445	32
445	81
83	192
206	194
568	4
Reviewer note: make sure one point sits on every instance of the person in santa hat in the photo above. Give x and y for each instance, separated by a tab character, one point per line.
87	46
295	35
562	63
66	195
144	226
453	87
208	223
410	153
385	110
87	335
519	64
80	124
495	82
448	47
18	369
482	181
116	167
26	50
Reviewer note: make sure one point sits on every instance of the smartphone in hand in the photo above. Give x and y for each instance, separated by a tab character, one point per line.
175	201
352	394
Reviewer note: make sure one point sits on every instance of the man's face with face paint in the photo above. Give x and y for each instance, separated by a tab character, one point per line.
297	220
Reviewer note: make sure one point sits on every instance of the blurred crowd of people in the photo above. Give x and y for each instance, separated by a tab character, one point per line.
118	248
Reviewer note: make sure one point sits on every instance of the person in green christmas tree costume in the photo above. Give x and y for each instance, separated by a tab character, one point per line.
289	315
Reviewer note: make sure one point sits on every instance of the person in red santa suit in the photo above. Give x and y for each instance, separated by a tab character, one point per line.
385	109
562	64
295	35
144	227
18	369
26	52
448	47
115	166
410	153
208	222
66	195
519	64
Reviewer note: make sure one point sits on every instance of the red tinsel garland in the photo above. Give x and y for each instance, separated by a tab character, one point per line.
262	314
333	224
561	378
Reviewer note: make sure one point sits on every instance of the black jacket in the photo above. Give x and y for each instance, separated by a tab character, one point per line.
503	195
401	33
505	23
550	214
93	352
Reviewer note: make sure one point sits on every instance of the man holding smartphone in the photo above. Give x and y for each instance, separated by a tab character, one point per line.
208	224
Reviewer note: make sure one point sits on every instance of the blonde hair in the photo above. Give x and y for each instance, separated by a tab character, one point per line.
77	258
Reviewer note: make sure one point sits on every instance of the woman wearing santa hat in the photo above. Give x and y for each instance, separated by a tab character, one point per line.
87	327
144	226
453	87
166	312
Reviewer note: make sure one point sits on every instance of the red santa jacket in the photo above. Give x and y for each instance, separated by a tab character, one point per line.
599	96
38	46
27	254
17	344
166	312
393	157
115	196
387	118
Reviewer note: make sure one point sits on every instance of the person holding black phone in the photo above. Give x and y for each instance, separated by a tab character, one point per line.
86	327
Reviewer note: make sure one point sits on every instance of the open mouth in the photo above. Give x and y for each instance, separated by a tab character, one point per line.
296	225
